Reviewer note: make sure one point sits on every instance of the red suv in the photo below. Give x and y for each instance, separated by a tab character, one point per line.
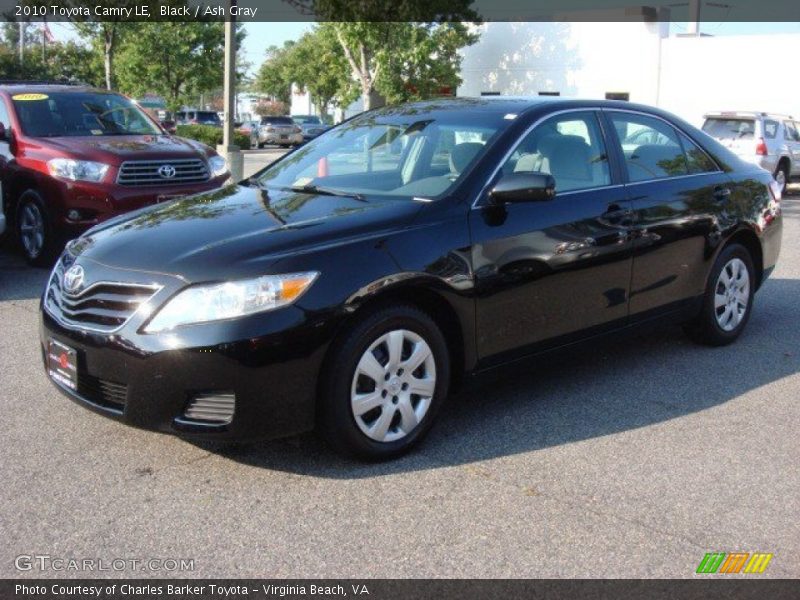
71	157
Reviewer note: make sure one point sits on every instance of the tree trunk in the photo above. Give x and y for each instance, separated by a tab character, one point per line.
108	56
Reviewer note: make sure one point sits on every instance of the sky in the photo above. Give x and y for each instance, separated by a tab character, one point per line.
261	36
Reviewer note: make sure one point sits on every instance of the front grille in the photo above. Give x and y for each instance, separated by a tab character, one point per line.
104	306
146	172
215	409
102	392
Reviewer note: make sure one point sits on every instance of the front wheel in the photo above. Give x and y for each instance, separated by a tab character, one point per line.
384	384
728	300
34	229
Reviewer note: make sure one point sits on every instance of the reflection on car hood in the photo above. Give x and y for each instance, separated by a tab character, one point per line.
115	149
201	237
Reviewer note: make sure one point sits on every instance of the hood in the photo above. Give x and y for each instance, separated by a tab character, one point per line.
113	149
200	237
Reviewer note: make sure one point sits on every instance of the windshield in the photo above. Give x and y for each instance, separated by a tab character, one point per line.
730	129
404	155
80	113
305	120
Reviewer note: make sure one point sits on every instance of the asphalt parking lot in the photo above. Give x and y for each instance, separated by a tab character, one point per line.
630	460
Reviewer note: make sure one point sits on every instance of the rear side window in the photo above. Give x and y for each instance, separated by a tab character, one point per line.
791	132
569	147
730	129
650	146
770	129
4	114
697	160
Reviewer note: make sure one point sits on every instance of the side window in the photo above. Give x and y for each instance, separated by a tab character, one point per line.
770	129
650	146
569	147
698	161
4	114
791	133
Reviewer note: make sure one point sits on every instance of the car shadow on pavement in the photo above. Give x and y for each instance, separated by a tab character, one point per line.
615	386
18	280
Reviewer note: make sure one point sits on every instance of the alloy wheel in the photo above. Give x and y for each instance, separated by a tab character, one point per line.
31	229
732	294
393	386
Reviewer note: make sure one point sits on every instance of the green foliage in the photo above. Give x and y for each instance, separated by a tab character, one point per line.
57	61
403	60
174	60
211	136
275	75
271	108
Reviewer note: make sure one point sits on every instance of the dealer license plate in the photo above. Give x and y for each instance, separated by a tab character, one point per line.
62	364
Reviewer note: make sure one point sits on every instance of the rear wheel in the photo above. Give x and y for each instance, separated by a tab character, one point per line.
384	384
782	176
728	300
34	229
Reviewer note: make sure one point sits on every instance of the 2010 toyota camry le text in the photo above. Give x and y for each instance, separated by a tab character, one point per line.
350	285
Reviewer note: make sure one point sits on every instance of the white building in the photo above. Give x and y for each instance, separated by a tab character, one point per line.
638	61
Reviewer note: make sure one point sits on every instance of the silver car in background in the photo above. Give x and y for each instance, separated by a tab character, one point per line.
311	125
280	131
769	140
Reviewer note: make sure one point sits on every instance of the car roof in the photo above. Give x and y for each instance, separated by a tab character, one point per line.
748	114
22	87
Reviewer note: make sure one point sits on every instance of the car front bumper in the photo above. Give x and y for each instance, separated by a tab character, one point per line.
269	363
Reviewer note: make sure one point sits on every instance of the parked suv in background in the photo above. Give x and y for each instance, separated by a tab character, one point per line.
71	157
198	117
279	130
771	141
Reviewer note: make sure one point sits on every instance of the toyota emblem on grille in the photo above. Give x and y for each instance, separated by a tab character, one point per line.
166	171
73	279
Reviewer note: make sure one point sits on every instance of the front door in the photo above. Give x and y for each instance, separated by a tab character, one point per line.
549	272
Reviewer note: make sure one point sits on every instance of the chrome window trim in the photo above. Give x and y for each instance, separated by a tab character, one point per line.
523	135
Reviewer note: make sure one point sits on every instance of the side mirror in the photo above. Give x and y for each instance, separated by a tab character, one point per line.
524	187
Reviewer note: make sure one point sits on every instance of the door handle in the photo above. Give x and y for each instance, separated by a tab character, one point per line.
721	192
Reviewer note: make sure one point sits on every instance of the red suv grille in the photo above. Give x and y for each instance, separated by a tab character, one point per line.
163	172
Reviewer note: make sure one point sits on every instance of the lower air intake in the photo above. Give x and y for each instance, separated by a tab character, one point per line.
214	409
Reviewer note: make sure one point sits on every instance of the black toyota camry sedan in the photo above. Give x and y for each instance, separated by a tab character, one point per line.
350	284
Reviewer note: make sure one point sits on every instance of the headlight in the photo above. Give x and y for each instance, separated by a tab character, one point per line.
77	170
218	166
204	303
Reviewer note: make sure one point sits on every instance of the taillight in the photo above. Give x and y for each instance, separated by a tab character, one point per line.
297	130
761	147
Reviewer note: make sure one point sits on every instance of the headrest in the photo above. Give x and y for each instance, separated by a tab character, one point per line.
462	154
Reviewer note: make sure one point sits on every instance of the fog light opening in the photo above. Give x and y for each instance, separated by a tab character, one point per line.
211	408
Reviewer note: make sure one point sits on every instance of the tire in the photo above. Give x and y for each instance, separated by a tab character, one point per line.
728	300
392	418
782	176
34	230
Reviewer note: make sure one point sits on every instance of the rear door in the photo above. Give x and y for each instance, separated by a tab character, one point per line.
5	154
676	191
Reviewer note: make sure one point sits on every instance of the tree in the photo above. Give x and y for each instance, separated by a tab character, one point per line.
403	61
317	65
275	76
106	36
393	46
176	60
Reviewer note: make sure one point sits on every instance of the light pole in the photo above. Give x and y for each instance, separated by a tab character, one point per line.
229	150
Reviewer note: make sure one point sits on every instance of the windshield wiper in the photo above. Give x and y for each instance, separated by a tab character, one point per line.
326	191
